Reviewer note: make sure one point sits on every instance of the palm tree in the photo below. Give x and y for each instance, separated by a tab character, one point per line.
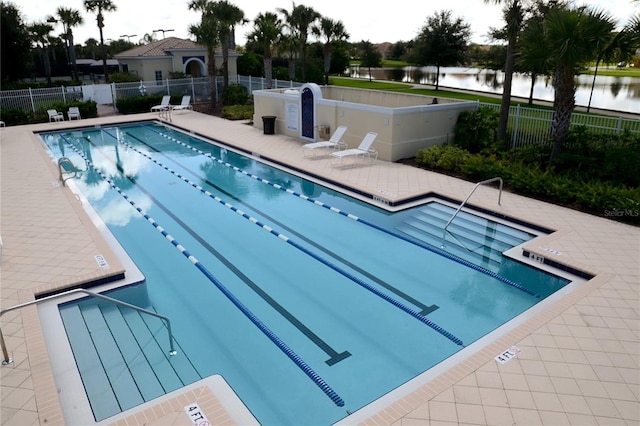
513	15
90	45
98	7
572	38
208	34
620	47
331	31
533	54
40	35
148	38
228	16
299	21
70	18
288	46
267	30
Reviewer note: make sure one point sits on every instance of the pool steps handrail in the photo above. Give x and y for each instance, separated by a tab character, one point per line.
417	315
65	165
5	354
432	249
484	182
333	395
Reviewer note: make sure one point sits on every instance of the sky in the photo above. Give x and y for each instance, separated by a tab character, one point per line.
384	22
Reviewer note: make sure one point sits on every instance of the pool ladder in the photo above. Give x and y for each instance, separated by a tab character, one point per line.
66	166
484	182
6	359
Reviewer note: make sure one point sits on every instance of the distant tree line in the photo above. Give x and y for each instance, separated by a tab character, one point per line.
539	37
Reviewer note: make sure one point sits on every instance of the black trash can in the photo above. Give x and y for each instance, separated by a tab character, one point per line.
269	124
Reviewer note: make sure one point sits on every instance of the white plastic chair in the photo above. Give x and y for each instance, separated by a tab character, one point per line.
363	150
335	142
55	115
73	113
164	104
184	104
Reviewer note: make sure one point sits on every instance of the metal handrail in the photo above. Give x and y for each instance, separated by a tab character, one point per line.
484	182
61	162
8	360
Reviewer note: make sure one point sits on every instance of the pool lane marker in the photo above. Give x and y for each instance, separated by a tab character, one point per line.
423	308
250	315
358	219
326	262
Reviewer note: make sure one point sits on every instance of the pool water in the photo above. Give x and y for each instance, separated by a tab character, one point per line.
308	312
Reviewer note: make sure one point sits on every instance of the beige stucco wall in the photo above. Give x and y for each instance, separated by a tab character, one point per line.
409	123
145	67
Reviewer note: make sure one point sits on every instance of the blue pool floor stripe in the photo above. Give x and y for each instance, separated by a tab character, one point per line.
334	356
250	315
358	219
326	262
424	309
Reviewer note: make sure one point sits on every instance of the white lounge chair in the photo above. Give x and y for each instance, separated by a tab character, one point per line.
164	104
184	104
363	150
335	142
55	115
73	113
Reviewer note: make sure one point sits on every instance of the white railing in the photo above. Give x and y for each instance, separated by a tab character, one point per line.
526	125
533	125
39	98
259	83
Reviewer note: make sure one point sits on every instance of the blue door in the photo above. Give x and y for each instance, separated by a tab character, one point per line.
307	102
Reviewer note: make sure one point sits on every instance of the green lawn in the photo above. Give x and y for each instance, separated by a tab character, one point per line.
616	72
452	94
408	88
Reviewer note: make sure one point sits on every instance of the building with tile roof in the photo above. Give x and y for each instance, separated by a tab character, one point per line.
156	60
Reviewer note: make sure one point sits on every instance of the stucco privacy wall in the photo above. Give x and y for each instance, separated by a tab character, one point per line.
404	123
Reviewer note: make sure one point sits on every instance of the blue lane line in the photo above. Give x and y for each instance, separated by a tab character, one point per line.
286	239
357	219
252	317
423	309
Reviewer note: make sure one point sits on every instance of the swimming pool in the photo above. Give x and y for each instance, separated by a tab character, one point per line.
352	291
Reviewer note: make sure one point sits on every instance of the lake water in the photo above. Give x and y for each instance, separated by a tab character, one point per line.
611	93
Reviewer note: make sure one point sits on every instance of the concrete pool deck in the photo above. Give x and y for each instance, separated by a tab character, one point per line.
579	360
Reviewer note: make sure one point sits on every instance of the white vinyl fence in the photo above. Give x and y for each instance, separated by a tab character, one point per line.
533	125
40	98
526	125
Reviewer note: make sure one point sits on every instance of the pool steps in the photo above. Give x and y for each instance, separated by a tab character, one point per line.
478	240
121	356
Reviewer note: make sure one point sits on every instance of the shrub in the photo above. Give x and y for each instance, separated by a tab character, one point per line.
610	158
138	104
574	189
87	109
237	112
123	77
235	94
476	130
16	116
442	157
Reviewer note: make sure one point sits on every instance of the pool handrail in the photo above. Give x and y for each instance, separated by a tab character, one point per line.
8	360
73	171
484	182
